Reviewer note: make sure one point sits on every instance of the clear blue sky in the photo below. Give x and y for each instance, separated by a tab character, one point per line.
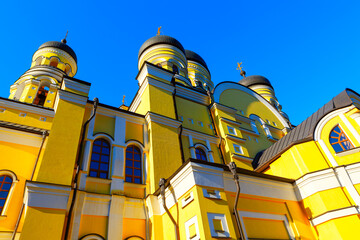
309	50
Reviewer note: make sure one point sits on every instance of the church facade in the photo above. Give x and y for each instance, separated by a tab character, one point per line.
185	160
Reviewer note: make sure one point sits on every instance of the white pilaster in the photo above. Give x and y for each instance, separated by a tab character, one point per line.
210	152
192	148
116	217
117	183
120	126
77	215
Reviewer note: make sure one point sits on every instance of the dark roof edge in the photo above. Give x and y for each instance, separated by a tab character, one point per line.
23	128
117	109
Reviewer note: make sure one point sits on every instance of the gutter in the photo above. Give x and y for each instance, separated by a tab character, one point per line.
162	192
232	167
177	117
44	135
74	183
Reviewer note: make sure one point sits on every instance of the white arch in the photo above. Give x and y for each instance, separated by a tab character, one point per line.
104	136
204	148
143	158
220	88
11	191
92	237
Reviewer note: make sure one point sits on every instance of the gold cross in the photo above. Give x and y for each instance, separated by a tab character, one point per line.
159	28
239	67
123	101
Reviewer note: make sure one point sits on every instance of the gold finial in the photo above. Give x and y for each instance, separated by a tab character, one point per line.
159	28
123	101
239	67
64	40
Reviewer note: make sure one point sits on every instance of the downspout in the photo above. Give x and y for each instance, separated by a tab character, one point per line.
74	183
162	192
232	167
44	134
177	117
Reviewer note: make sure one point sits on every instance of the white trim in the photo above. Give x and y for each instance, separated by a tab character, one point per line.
11	190
231	130
266	216
20	137
138	97
149	69
334	214
154	117
235	138
200	136
71	97
92	237
345	181
216	194
193	95
241	157
187	199
189	223
57	51
351	128
26	108
327	152
222	107
227	85
74	85
46	195
326	118
348	152
222	218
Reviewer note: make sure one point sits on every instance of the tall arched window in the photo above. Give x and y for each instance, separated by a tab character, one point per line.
338	140
5	185
41	96
200	154
133	164
100	158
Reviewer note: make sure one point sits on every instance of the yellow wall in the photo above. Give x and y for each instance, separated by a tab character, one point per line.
104	124
93	225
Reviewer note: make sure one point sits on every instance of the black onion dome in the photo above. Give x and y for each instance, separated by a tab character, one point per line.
193	56
61	46
159	39
254	80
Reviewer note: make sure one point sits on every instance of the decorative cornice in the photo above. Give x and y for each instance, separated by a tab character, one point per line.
241	157
192	95
70	97
200	135
73	85
153	117
26	107
235	139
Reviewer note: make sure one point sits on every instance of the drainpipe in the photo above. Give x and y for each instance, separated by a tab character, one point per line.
44	134
232	167
177	118
74	183
162	192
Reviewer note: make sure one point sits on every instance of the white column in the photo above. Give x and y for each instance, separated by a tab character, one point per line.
86	156
80	199
350	127
117	183
345	181
91	126
116	214
192	148
120	126
210	152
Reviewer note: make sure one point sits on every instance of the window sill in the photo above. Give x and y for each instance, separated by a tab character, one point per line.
134	185
3	217
98	180
348	152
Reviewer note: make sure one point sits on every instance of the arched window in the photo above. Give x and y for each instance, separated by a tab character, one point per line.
54	61
200	154
100	158
67	69
41	95
133	164
338	140
38	61
175	69
5	185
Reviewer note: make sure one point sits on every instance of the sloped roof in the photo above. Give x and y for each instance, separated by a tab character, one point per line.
303	132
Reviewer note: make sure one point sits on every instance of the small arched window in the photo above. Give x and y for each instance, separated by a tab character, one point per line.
200	154
175	69
38	61
338	140
5	185
100	158
133	164
54	61
41	95
67	69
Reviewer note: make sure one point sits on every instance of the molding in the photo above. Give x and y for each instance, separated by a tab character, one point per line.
241	157
149	69
235	139
230	121
73	85
57	51
71	97
43	195
222	218
23	107
220	88
350	127
201	136
224	108
338	213
189	223
20	137
266	216
184	79
348	152
192	95
243	118
157	118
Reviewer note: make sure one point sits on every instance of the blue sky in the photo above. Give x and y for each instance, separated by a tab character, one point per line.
309	50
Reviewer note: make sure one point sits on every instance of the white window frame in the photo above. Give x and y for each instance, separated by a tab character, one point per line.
240	148
11	191
188	223
230	128
218	216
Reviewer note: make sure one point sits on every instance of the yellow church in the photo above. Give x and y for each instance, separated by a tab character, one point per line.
186	160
